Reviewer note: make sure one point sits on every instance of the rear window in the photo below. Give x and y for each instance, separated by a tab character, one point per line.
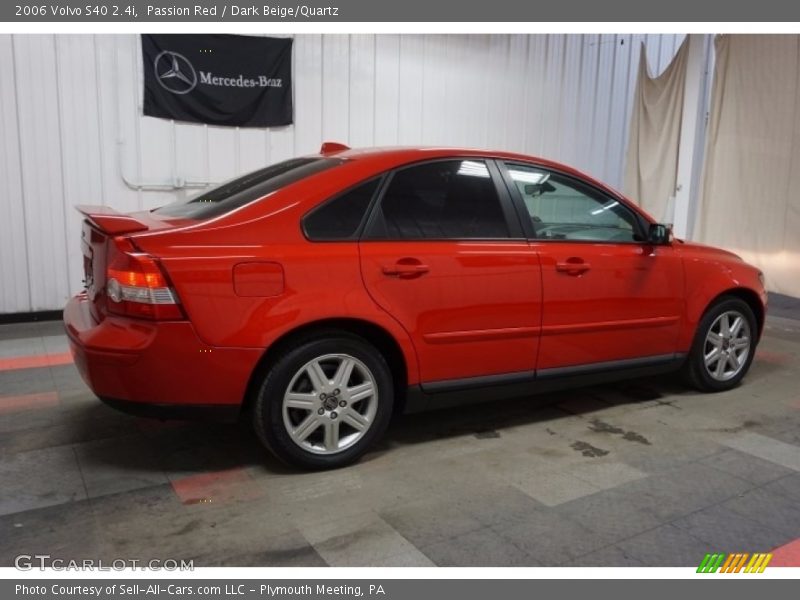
237	192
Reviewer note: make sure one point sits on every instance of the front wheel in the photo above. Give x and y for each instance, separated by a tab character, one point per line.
324	402
723	347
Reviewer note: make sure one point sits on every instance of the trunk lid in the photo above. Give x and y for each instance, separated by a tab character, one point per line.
110	221
100	227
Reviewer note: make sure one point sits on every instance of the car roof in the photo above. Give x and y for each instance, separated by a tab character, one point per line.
387	157
412	153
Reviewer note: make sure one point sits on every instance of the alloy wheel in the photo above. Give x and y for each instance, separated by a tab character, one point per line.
727	345
330	403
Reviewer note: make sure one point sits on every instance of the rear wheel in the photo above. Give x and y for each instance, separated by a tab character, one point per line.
324	402
723	347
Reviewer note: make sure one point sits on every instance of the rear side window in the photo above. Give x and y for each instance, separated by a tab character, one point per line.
240	191
340	218
451	199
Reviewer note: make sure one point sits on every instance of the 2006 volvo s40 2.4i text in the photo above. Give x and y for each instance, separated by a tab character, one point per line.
319	295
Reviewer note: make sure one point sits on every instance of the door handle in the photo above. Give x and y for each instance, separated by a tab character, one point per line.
406	268
573	266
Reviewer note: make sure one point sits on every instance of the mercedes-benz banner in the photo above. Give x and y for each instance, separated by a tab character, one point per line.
235	80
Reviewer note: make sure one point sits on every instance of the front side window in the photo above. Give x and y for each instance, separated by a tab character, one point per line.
563	208
449	199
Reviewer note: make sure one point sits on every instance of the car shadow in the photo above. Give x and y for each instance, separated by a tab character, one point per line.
181	447
489	419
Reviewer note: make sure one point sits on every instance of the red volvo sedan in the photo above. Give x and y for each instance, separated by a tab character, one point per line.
320	294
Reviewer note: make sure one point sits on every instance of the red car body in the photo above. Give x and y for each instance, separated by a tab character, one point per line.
447	313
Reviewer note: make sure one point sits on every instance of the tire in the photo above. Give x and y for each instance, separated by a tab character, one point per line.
329	410
721	373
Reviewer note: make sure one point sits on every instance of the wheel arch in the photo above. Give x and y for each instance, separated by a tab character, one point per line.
748	296
378	336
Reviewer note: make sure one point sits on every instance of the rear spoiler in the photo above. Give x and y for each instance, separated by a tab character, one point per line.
110	221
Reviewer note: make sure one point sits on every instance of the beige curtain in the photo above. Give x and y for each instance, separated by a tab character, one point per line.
750	197
651	164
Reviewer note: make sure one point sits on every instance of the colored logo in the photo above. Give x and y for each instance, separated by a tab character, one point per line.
735	563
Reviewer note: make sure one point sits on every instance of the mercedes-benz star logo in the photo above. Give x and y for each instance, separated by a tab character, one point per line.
174	72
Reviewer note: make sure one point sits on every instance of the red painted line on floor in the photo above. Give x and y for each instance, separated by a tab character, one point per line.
35	361
216	488
787	555
10	404
777	358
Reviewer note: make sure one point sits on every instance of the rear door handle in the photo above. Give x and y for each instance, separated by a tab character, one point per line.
406	268
573	266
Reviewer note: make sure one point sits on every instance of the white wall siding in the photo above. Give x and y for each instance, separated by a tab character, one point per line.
71	129
14	285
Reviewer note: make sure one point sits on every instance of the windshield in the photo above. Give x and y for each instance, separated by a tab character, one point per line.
252	186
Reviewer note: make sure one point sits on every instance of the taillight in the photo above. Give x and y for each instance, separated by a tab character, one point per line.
136	285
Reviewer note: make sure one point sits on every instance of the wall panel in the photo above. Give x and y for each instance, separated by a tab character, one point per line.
14	279
41	154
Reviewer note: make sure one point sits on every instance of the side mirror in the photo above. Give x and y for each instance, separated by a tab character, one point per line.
659	234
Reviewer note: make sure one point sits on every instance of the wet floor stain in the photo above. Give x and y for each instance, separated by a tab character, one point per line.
745	425
360	537
547	452
603	427
631	436
670	403
189	527
301	556
588	450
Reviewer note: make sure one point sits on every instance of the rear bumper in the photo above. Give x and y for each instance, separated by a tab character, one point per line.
155	368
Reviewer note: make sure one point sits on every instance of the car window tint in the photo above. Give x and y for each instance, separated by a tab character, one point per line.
452	199
247	188
563	208
339	218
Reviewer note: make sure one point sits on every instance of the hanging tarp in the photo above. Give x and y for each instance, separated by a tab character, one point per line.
750	201
651	165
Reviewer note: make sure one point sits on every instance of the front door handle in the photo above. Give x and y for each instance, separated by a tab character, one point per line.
406	268
574	266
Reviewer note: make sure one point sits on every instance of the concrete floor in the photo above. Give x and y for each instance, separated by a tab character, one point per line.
639	473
